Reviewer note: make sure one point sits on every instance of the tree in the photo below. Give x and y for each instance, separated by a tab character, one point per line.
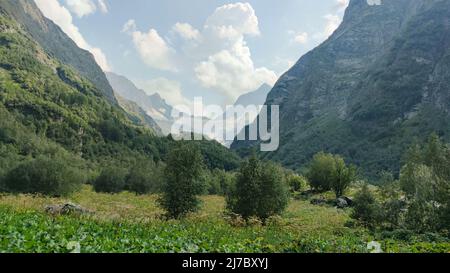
183	180
44	175
260	190
343	176
111	180
329	172
144	178
321	171
366	208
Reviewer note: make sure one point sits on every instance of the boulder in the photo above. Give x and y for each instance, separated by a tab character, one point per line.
341	203
66	209
320	201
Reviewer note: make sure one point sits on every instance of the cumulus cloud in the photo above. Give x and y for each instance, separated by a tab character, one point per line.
217	53
333	22
81	7
302	38
239	17
62	17
186	31
152	48
226	64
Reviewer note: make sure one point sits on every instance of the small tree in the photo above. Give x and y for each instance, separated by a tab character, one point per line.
343	176
260	190
366	208
44	175
111	180
321	172
183	181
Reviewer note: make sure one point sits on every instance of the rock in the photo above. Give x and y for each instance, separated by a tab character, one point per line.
318	202
66	209
341	203
348	200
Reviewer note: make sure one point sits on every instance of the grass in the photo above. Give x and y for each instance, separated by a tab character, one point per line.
126	223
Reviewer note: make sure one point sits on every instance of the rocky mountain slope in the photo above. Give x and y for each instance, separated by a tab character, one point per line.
377	84
156	107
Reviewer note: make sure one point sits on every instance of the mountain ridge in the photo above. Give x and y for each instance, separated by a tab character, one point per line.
340	97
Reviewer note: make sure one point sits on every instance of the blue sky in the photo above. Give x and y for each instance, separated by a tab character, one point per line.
216	49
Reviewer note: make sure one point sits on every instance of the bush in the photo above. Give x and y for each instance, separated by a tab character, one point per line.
110	180
366	208
44	175
321	171
145	178
260	191
183	181
329	172
342	177
296	182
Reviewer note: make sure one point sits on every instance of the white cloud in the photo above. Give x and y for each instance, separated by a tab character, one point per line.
81	7
62	17
217	54
103	6
238	17
333	22
186	31
302	38
152	48
232	71
342	4
224	61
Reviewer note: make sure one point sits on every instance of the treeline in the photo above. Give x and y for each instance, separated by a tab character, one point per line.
419	201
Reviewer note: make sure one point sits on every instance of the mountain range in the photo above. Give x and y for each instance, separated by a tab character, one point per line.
153	105
379	83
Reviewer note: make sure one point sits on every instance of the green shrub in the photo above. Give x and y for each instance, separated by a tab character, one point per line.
329	172
296	182
342	177
183	181
44	175
145	178
321	171
261	191
366	208
111	180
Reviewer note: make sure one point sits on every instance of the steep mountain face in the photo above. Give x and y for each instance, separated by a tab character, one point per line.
56	43
153	105
257	97
379	82
138	115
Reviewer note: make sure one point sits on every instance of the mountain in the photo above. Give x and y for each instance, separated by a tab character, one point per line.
139	115
379	83
156	107
257	97
56	43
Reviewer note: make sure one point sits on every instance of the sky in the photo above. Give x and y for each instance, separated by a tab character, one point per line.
214	49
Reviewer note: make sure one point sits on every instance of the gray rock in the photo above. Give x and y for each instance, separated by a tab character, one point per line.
66	209
341	203
320	201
